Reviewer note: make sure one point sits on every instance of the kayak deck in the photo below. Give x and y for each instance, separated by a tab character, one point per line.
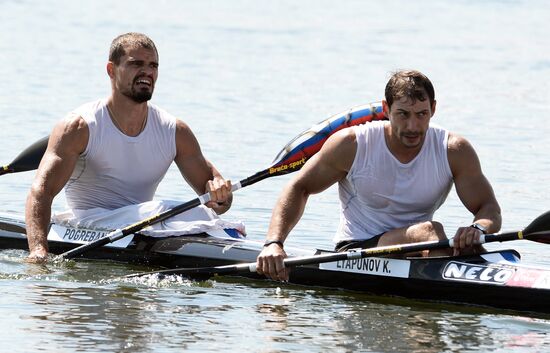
495	279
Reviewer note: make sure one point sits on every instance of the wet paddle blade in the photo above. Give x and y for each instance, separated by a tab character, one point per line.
539	225
28	159
309	142
539	237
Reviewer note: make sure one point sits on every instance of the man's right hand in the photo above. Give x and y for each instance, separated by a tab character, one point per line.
270	263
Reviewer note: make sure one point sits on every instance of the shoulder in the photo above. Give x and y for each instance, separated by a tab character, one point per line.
371	131
457	144
342	139
162	115
182	128
346	140
461	154
73	123
339	150
71	132
186	142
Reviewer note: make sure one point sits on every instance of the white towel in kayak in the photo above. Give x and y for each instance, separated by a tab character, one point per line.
196	220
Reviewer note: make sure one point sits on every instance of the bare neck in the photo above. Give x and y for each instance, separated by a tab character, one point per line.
128	116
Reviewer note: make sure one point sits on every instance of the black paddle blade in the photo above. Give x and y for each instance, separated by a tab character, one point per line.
539	225
539	229
542	237
29	159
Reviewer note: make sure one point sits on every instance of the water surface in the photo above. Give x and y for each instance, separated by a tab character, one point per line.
248	76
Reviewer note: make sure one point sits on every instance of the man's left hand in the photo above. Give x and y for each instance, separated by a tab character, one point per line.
466	240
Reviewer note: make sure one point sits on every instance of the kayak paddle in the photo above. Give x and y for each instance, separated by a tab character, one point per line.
28	159
290	159
538	231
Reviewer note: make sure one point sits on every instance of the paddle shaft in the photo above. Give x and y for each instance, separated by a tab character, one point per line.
349	255
133	228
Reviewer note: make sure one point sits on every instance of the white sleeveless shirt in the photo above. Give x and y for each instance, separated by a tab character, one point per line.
117	170
380	193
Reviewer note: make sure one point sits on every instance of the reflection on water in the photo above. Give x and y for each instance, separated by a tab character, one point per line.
116	318
357	322
366	326
60	311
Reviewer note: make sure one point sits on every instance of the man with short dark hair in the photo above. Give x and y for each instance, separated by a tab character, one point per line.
114	152
392	177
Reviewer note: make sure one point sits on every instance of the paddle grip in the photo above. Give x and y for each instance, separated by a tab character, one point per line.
204	198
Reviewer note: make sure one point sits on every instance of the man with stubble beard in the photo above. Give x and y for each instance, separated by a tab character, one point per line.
114	152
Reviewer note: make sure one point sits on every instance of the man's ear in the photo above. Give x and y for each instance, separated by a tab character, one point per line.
433	107
386	108
110	69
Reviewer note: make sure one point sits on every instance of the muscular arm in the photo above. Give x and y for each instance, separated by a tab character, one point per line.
473	189
324	169
67	141
199	172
